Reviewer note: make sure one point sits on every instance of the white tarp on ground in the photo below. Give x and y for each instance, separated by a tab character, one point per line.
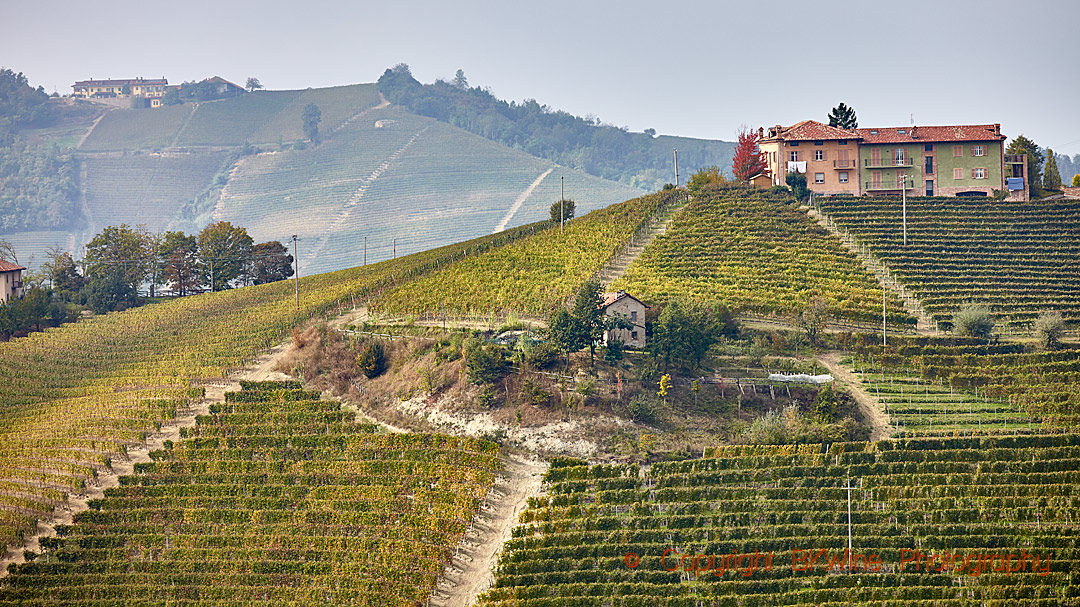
801	378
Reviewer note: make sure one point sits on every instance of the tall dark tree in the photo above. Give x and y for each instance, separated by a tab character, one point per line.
63	274
843	117
1035	159
270	262
1051	177
565	332
589	314
685	330
460	81
749	160
224	252
311	118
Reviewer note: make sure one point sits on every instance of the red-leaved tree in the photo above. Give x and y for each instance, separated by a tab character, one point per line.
748	160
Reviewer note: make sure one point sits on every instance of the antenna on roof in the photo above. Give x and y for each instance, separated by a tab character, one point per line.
913	120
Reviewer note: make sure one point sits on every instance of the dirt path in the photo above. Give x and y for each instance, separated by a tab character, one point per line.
64	514
472	569
520	200
183	125
616	267
382	104
881	428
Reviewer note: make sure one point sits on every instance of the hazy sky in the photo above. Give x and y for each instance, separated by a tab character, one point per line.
698	69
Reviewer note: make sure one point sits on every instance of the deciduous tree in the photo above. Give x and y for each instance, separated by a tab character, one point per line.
565	207
270	262
589	314
224	252
123	248
253	84
749	160
180	261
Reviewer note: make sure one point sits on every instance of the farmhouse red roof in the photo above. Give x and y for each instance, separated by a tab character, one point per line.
610	298
917	134
810	130
7	266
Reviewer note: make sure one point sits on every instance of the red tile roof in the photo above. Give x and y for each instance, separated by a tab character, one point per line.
926	134
7	266
610	298
810	130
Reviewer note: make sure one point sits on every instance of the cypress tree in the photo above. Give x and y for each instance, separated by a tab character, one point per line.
1051	176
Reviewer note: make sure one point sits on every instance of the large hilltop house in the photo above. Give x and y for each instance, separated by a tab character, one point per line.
962	160
150	88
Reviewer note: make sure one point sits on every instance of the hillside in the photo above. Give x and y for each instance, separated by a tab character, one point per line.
387	175
1018	258
739	527
381	172
641	160
757	253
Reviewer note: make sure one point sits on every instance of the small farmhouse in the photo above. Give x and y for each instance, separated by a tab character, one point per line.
627	306
10	280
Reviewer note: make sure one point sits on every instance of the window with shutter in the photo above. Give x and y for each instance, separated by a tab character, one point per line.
958	173
957	150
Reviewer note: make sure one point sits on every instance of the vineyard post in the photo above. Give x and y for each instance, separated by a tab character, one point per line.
849	488
903	190
562	202
365	250
395	248
296	262
884	317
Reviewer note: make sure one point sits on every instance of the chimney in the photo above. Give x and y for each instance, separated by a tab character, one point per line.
761	132
914	131
997	128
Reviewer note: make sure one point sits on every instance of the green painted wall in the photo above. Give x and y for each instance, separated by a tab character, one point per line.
944	163
991	162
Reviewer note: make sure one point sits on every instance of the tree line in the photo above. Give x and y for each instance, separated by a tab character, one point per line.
637	159
122	261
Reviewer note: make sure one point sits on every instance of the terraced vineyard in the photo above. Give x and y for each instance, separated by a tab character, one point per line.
1019	258
74	398
530	276
125	130
942	522
964	384
391	175
146	189
756	252
275	497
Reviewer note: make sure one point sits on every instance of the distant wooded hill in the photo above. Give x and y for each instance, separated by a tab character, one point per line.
641	160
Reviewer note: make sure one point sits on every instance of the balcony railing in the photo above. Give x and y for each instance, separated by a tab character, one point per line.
886	185
888	163
843	164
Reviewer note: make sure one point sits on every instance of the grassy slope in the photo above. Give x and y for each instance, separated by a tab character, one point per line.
754	252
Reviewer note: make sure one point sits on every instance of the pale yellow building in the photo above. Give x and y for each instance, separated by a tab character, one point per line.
150	88
630	309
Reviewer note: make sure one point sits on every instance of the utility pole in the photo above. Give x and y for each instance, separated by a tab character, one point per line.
562	202
395	248
296	262
884	318
849	553
365	250
676	168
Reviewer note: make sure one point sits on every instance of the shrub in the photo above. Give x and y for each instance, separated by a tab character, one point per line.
1049	328
566	207
372	359
973	320
486	363
797	181
643	408
826	405
541	355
